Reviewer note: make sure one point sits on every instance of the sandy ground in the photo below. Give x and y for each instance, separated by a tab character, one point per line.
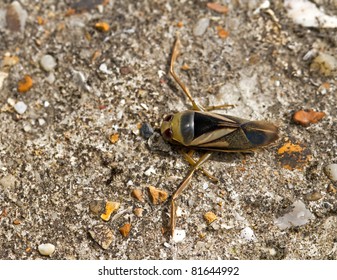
78	142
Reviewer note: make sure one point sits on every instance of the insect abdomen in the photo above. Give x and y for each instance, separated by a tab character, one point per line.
227	133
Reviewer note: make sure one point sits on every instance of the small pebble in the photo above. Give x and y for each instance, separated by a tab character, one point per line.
210	217
102	26
46	249
48	62
50	78
307	117
157	196
179	235
27	128
248	234
100	9
272	251
331	171
331	189
179	211
137	194
102	235
8	182
167	245
307	14
104	69
325	64
299	215
3	76
217	8
2	19
114	138
314	196
150	171
110	207
16	17
201	27
9	60
97	206
146	130
79	78
129	183
125	230
25	84
125	70
11	101
20	107
16	222
41	121
138	212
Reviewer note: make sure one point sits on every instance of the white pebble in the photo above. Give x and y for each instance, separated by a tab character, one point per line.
179	235
150	171
307	14
161	73
104	68
129	183
179	211
51	78
167	245
41	122
201	26
299	216
20	107
79	78
265	5
27	128
248	234
11	101
100	9
46	104
46	249
48	62
3	76
331	171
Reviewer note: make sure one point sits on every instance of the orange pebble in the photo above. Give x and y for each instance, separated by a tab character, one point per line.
217	8
114	138
157	196
222	32
305	118
125	230
102	26
25	84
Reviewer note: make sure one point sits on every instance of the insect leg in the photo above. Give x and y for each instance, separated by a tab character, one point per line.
183	186
175	54
216	107
192	162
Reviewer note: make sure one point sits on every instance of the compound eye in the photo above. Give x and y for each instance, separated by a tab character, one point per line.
168	118
167	134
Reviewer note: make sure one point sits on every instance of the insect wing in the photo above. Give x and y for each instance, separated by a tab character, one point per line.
210	127
228	134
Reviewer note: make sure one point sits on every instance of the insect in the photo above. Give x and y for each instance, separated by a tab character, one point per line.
198	129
